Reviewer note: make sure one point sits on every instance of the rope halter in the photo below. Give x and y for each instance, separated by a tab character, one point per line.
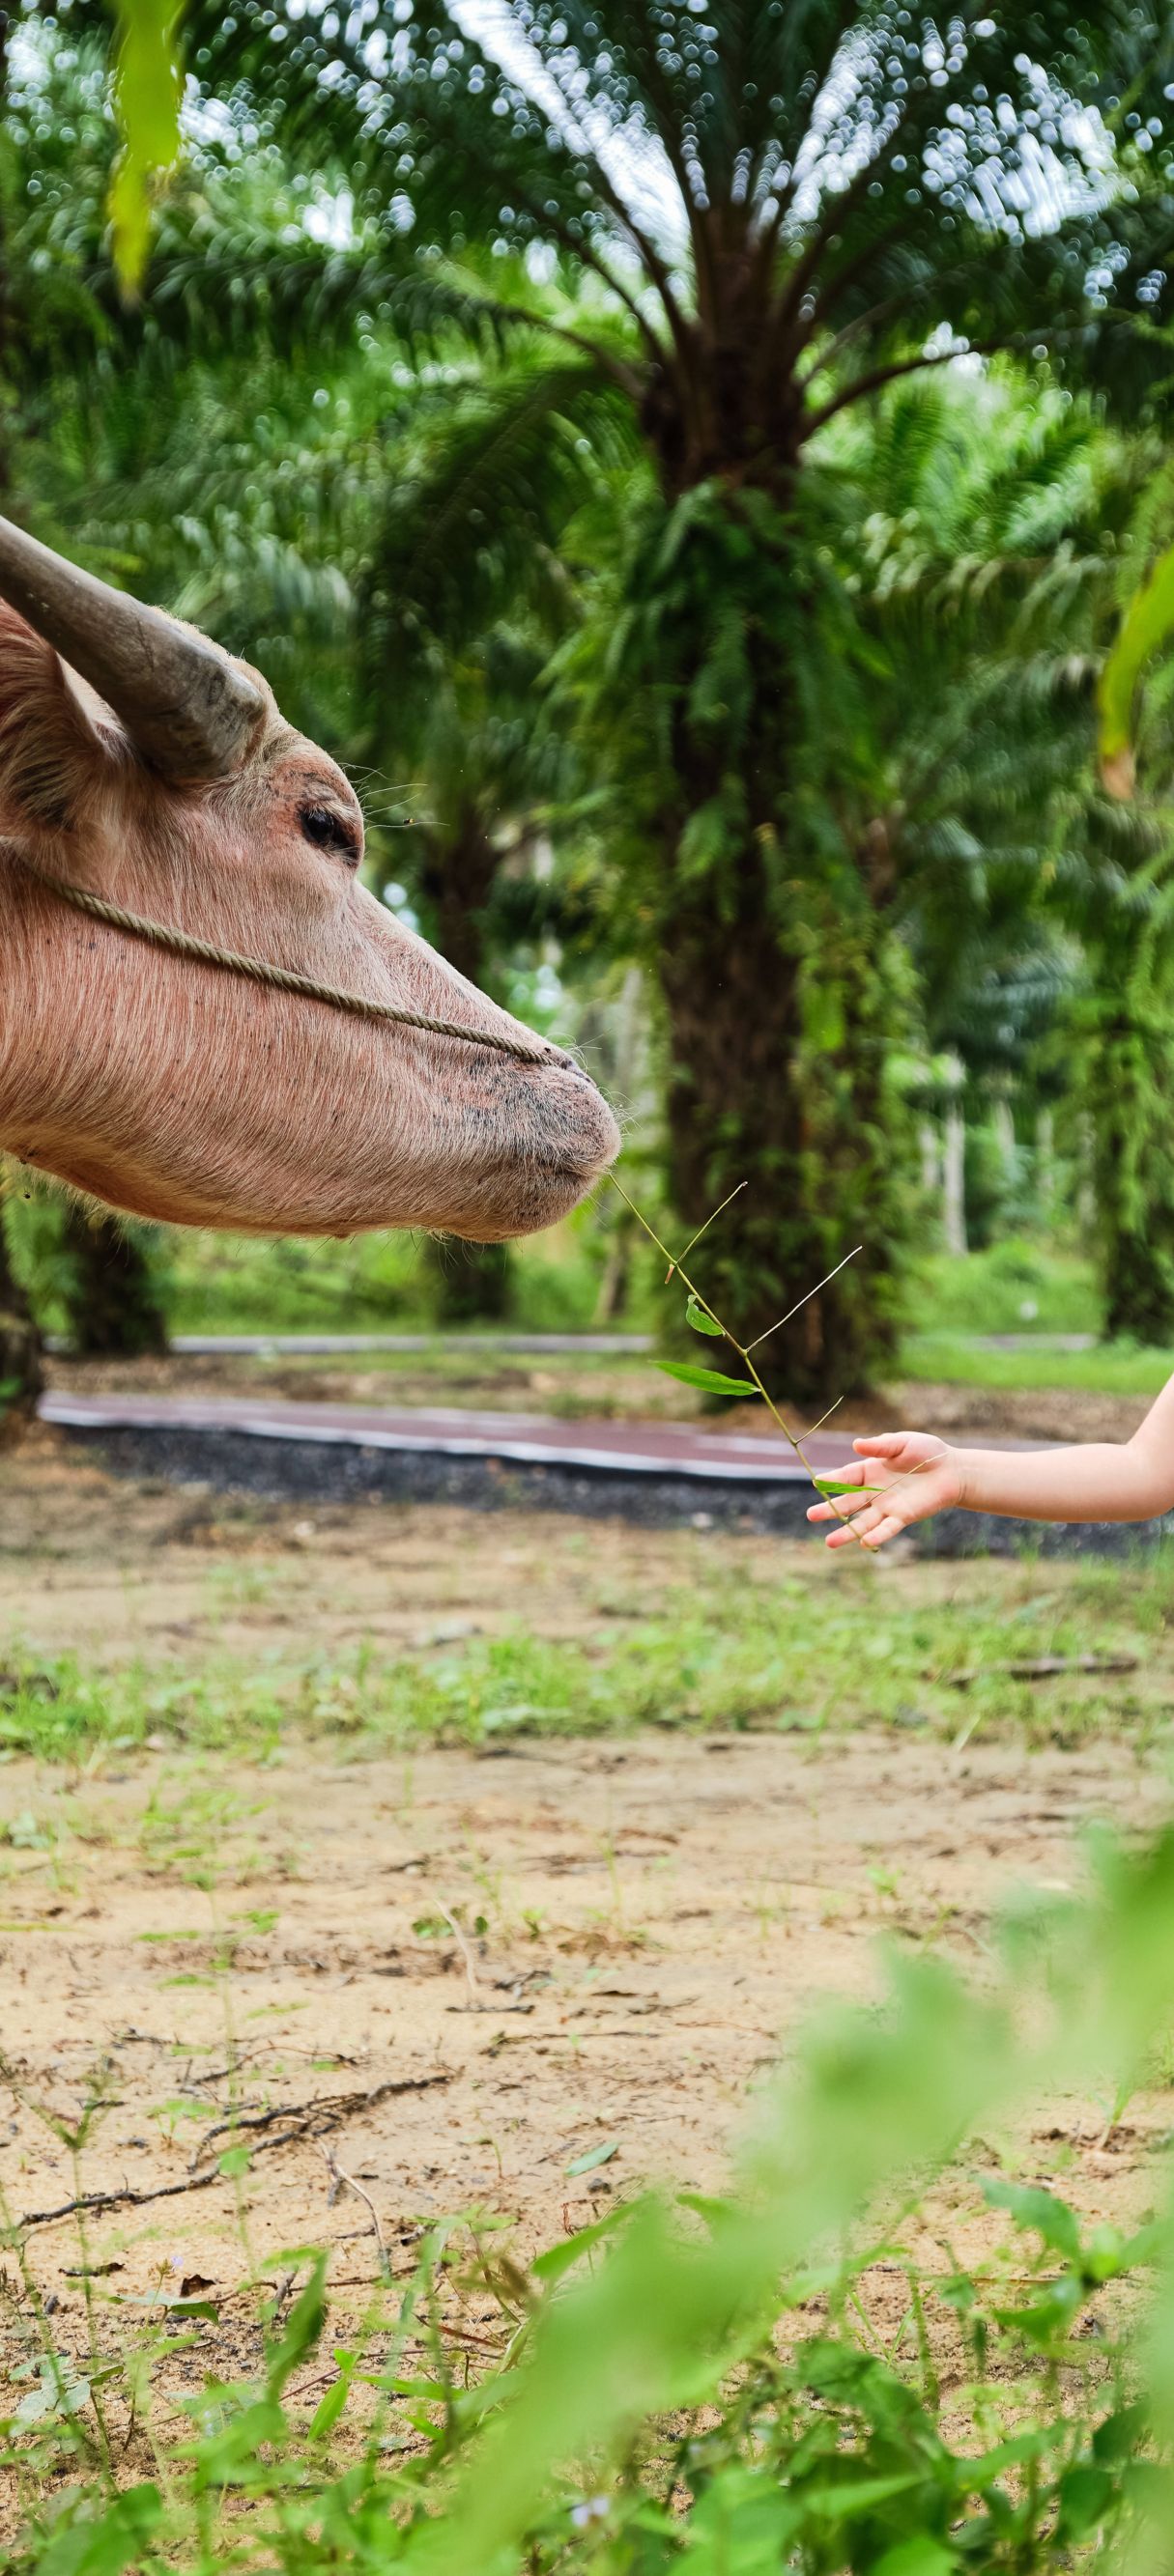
281	979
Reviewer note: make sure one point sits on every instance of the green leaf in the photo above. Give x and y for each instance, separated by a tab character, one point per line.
234	2162
711	1380
230	2444
148	89
174	2309
976	2476
108	2545
706	2205
1030	2206
304	2325
823	1018
837	1485
1048	2320
1148	621
57	2393
849	2496
331	2406
594	2156
1086	2496
701	1322
918	2557
1120	2434
560	2258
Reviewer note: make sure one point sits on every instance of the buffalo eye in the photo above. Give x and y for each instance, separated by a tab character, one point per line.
328	831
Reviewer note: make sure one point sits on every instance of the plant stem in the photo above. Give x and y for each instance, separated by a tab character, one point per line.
743	1354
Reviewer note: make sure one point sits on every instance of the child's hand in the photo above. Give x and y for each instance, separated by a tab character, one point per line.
918	1475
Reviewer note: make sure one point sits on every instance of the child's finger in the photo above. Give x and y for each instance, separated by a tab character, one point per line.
888	1527
869	1529
825	1509
882	1444
843	1504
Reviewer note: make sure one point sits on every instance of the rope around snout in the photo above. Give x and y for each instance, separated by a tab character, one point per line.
281	979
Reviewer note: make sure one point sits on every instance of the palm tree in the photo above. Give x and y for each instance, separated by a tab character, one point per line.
767	213
1119	1030
20	1348
107	1282
991	536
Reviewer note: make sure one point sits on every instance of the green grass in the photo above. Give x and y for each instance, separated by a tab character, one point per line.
211	1282
987	1292
789	1654
223	1283
238	1283
1112	1368
834	2441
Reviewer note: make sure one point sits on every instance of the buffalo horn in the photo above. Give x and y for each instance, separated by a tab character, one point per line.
189	711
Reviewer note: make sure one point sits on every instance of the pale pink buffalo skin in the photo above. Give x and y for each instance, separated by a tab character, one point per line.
179	1092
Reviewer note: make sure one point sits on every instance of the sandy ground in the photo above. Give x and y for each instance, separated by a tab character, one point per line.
457	1975
656	1919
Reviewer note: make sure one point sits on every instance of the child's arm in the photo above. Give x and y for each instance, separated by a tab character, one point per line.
916	1475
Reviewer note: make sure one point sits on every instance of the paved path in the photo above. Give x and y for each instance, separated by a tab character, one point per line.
623	1448
320	1345
654	1473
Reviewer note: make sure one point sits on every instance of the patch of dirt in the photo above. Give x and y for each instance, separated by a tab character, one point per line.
580	1385
124	1567
653	1921
978	1413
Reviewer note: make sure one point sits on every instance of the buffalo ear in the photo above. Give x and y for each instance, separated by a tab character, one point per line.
57	741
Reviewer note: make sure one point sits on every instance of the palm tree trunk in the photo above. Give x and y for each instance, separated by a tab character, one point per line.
621	1225
472	1279
778	1083
1139	1282
774	962
112	1301
457	882
1134	1182
1127	1079
20	1351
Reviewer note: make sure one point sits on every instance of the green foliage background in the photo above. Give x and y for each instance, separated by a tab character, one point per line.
616	509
